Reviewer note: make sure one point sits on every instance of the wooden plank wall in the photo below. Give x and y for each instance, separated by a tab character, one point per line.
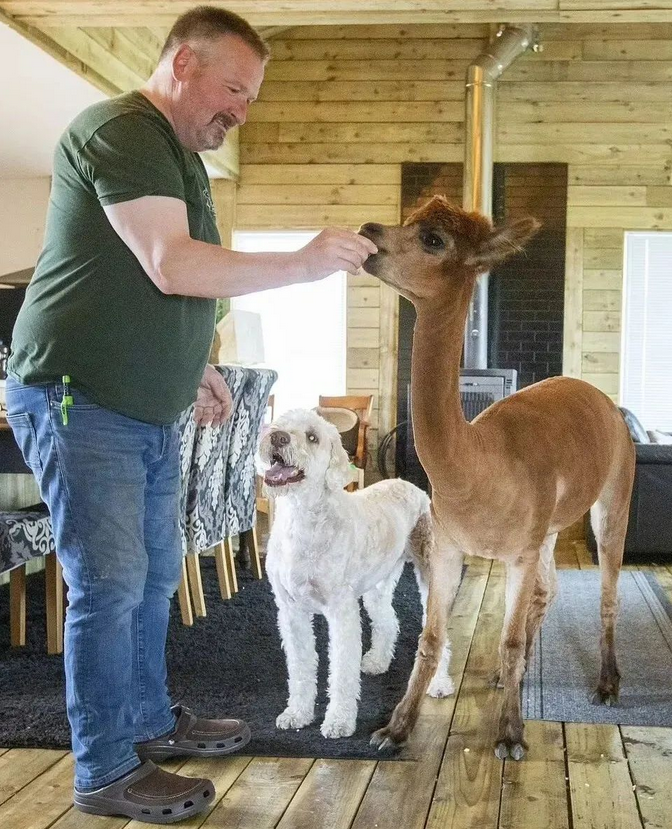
342	107
603	110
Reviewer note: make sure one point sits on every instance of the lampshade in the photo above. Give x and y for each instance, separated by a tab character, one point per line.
241	340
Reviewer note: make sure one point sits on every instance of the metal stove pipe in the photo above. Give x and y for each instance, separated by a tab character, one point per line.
511	42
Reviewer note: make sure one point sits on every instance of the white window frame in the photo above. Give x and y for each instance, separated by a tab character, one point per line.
646	352
315	361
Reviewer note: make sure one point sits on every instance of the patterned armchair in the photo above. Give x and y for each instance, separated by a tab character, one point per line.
26	534
205	506
220	495
240	485
187	430
241	482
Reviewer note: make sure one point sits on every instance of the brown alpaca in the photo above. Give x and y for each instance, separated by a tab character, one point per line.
504	485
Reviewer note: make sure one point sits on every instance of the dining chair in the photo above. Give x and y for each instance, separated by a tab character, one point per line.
362	405
265	505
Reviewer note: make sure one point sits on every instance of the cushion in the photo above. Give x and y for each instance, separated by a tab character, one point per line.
347	423
637	431
656	436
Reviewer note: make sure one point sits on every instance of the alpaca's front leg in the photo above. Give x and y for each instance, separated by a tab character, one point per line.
520	580
345	656
298	642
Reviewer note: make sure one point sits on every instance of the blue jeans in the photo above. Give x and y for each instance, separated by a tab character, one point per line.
112	485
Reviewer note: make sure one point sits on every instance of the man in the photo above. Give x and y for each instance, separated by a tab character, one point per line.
122	304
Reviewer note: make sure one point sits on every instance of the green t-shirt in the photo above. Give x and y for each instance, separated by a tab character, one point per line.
90	310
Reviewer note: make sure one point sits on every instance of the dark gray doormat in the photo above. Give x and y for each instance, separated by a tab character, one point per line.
228	664
564	668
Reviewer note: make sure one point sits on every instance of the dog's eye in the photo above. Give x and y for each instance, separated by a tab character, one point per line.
312	438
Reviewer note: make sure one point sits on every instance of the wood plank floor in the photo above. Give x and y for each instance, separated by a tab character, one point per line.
575	776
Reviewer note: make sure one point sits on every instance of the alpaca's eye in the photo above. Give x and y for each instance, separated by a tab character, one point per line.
312	438
432	240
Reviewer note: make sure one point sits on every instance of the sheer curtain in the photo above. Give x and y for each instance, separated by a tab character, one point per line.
304	326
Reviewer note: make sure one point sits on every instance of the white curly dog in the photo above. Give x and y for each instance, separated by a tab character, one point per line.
327	549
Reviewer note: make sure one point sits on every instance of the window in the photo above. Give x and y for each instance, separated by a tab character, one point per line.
646	345
304	327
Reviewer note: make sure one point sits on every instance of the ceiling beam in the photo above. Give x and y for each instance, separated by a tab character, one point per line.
47	13
49	45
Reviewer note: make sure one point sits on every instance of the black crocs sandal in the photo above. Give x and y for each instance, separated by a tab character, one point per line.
196	737
149	794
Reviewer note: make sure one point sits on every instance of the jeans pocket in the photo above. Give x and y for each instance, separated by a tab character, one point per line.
26	437
80	402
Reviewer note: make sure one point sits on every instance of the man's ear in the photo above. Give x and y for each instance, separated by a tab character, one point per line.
503	242
184	63
338	471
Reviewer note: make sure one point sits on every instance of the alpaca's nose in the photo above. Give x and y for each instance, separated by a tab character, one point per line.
279	439
371	230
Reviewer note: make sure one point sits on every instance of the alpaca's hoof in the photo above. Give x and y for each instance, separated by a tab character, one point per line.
384	740
506	749
609	698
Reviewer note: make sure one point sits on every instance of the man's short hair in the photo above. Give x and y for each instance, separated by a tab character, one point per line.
210	23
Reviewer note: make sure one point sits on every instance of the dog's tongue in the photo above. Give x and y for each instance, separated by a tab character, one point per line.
280	474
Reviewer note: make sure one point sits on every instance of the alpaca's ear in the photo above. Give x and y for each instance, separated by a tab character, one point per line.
503	242
338	471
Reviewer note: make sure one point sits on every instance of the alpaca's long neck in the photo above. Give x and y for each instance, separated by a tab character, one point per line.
439	428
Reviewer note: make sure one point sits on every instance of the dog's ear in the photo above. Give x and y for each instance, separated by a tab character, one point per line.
338	471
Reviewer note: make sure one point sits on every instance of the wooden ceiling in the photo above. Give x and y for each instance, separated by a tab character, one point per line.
48	13
114	44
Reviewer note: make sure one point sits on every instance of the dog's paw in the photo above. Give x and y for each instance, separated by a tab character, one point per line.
338	726
374	664
291	718
441	686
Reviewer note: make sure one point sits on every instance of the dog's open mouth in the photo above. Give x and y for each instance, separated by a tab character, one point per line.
281	473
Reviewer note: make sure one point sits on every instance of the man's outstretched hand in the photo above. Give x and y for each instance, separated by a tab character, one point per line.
213	400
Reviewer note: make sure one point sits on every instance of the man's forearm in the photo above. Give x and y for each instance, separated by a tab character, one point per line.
155	229
193	268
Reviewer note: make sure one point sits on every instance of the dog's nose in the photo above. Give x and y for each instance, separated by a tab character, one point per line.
279	439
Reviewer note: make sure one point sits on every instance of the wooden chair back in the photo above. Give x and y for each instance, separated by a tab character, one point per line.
362	404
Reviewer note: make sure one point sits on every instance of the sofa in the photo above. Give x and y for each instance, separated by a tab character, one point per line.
649	536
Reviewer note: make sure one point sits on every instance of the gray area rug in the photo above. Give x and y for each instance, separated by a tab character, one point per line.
564	668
